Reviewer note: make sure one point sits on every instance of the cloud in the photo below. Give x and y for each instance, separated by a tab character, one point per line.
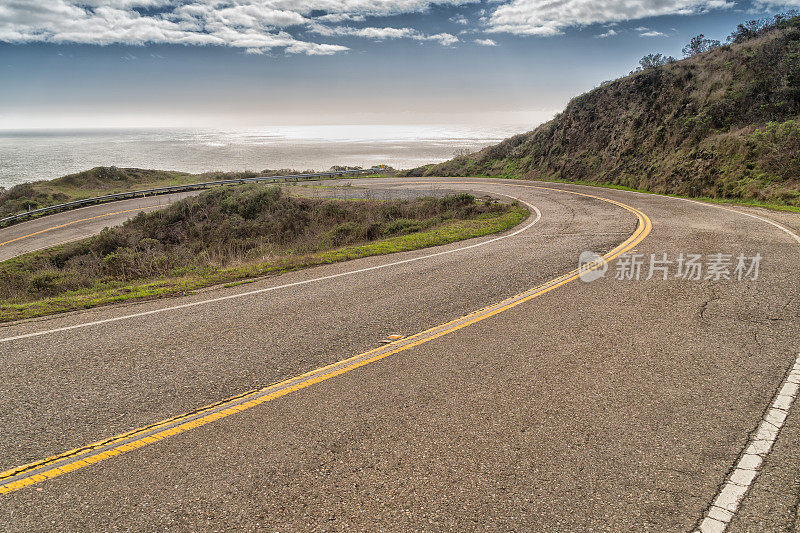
485	42
535	17
381	34
772	4
609	33
445	39
251	25
314	49
652	33
459	19
378	34
340	17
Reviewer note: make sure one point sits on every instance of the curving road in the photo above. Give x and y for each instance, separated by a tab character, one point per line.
77	224
611	405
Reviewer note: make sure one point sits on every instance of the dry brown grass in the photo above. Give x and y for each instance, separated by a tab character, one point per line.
686	128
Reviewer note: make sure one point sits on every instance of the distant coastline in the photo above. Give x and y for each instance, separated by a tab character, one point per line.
32	155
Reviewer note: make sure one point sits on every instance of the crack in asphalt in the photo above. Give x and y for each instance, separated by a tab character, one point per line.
704	306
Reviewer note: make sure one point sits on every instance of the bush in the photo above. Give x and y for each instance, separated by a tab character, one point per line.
653	61
699	44
753	28
777	148
403	226
221	227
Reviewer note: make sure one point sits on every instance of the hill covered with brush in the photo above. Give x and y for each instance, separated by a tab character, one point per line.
722	123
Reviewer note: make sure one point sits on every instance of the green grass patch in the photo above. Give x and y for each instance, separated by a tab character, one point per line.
39	272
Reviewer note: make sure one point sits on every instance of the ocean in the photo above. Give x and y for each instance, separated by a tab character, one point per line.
41	155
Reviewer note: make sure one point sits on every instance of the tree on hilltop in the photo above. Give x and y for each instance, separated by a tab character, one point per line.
699	44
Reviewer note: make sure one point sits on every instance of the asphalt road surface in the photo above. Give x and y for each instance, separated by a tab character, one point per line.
615	405
77	224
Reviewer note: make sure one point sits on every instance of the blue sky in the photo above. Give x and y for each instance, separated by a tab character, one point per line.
216	63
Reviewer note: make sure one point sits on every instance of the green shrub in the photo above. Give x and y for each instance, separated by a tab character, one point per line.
402	226
223	227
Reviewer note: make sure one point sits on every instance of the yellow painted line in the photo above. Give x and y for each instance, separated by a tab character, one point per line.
81	457
81	220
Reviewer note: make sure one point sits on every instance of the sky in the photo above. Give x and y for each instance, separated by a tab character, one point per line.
251	63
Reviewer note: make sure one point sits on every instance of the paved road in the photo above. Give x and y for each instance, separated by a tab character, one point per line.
76	224
80	223
611	405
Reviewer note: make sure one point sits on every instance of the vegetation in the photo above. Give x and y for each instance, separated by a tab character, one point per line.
755	28
230	234
721	124
700	45
109	180
652	61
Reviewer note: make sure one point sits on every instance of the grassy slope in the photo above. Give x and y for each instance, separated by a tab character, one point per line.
106	180
722	125
43	279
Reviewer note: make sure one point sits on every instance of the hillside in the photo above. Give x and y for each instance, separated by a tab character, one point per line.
720	124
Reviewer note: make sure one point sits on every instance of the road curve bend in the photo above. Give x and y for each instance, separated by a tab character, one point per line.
520	396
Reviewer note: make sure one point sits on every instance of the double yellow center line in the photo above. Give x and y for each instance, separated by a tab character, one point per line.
29	474
77	221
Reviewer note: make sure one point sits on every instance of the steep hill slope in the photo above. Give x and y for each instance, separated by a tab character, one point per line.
722	124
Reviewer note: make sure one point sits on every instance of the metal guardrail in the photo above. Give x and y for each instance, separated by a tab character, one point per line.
176	188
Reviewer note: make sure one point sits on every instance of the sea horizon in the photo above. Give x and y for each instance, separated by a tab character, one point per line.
43	154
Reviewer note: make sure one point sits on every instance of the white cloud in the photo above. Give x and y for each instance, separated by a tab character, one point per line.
609	33
652	33
767	4
535	17
641	28
445	39
485	42
378	34
340	17
459	19
314	49
381	34
374	8
252	25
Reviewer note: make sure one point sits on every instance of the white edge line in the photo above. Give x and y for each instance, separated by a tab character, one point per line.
284	286
730	496
789	232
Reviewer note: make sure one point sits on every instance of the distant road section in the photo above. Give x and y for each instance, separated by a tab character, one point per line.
77	224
